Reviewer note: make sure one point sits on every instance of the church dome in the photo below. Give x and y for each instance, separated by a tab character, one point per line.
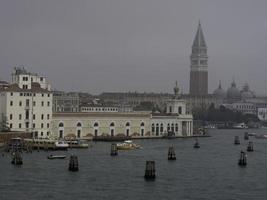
233	93
219	92
246	93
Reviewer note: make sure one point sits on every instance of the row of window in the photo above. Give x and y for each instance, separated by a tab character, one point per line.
27	125
159	128
27	117
33	103
112	132
245	107
29	94
26	78
96	124
99	109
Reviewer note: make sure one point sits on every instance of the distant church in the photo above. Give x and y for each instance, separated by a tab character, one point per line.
199	65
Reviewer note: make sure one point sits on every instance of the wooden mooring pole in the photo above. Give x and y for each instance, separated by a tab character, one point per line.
237	141
16	158
73	164
171	153
114	150
150	173
243	159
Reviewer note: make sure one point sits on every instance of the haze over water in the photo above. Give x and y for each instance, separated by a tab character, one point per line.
210	172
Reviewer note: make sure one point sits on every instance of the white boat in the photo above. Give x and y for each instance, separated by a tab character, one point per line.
259	136
127	145
56	157
252	134
61	145
240	126
77	143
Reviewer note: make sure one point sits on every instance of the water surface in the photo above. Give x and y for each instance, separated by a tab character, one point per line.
210	172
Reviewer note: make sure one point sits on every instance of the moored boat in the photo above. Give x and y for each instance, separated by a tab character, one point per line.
56	156
46	144
127	145
260	136
252	134
77	143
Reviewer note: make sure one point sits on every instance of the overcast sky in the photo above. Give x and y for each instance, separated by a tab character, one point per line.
133	45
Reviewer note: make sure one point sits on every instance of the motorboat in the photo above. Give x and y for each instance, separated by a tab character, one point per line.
240	126
56	156
61	145
127	145
252	134
77	143
260	136
46	144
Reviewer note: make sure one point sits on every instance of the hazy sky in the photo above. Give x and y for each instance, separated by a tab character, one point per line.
128	45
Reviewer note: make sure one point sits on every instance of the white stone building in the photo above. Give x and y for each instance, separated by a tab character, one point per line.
26	104
176	120
135	124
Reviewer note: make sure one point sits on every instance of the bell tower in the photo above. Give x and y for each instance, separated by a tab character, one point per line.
199	65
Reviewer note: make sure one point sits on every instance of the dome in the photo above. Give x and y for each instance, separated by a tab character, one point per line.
233	94
246	92
219	92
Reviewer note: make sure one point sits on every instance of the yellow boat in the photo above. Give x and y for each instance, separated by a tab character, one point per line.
127	145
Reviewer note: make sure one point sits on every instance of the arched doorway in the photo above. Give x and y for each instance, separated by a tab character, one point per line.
142	129
112	129
96	125
127	129
61	130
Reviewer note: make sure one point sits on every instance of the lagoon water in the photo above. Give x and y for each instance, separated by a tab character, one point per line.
210	172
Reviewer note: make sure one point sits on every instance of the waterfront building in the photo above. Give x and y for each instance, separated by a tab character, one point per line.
66	101
176	120
26	104
199	65
135	124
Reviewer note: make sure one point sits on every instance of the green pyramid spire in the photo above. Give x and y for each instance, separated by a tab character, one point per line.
199	40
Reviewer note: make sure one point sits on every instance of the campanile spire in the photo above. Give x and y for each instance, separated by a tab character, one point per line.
199	65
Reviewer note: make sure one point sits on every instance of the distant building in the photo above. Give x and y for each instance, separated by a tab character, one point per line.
262	114
24	79
243	107
199	65
196	103
66	101
128	100
99	108
26	104
3	84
